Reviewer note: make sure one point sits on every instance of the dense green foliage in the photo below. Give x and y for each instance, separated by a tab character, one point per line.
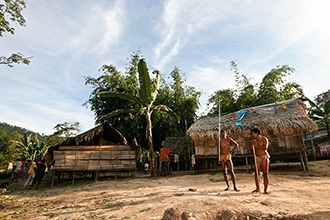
144	103
273	88
11	14
17	142
319	110
130	119
67	129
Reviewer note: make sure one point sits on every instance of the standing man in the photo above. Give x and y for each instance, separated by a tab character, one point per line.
260	144
40	172
225	158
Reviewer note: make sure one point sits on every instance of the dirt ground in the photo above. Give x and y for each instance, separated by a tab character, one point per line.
293	195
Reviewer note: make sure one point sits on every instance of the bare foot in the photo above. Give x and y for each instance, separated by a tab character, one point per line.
266	192
227	189
255	191
237	190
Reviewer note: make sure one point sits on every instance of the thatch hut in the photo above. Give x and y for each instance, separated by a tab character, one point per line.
181	151
284	123
102	149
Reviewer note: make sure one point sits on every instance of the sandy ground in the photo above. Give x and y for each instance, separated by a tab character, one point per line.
293	195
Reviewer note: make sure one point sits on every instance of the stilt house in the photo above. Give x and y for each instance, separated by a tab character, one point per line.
101	149
283	123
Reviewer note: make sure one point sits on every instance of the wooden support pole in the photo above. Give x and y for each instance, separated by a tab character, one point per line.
247	163
256	169
302	163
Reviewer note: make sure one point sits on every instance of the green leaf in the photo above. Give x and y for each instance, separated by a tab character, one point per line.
124	96
145	83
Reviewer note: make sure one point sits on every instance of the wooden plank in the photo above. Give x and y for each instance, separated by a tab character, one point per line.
95	147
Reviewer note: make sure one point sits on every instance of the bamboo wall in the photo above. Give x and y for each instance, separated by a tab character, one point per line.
94	158
206	146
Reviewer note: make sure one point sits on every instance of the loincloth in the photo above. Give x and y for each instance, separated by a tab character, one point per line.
263	157
225	158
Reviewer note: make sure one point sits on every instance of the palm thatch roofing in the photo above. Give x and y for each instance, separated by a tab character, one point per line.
179	145
96	136
276	119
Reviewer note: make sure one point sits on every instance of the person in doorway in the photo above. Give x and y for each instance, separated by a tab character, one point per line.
260	144
225	158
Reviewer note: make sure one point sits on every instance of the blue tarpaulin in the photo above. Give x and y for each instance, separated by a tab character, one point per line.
241	115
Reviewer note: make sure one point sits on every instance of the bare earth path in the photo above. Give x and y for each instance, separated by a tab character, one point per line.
293	195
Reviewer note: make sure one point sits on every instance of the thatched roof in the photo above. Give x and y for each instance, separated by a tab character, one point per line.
276	119
179	145
92	137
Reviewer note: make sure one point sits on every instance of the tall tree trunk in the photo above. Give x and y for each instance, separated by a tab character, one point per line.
150	143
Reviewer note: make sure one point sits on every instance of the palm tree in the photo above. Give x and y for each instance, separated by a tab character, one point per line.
320	110
148	91
32	147
26	145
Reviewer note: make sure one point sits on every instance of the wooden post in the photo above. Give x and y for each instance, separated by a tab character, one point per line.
306	160
73	178
256	169
53	179
247	163
302	163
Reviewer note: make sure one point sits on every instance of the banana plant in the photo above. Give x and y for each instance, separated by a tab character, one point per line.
148	91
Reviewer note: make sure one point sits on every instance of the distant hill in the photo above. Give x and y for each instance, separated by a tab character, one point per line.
12	128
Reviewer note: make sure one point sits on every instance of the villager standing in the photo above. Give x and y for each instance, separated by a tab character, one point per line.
260	145
41	168
225	158
31	173
17	168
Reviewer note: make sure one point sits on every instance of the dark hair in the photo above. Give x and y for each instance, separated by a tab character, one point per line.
255	130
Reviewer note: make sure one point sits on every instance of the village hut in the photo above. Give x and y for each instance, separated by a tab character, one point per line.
181	150
284	123
102	149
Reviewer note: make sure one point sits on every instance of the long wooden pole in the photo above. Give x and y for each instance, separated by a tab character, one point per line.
256	168
219	133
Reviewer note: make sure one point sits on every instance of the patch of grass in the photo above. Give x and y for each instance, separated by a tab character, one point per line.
96	216
146	209
114	206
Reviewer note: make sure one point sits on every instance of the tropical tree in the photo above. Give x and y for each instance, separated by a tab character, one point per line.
319	110
29	146
25	144
182	99
245	91
67	129
225	98
232	99
40	148
10	14
112	80
274	87
4	148
143	103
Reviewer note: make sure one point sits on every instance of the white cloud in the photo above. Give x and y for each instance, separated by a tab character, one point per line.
72	39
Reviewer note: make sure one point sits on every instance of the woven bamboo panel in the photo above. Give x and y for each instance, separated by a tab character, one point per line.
96	147
93	158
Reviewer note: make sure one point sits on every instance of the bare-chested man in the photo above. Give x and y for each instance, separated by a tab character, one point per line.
225	158
260	144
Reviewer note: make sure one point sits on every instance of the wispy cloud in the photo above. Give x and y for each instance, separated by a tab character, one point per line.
72	39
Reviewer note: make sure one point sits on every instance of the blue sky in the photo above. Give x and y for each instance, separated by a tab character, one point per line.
73	39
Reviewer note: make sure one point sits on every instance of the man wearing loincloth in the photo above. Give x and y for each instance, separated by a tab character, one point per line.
260	144
225	158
